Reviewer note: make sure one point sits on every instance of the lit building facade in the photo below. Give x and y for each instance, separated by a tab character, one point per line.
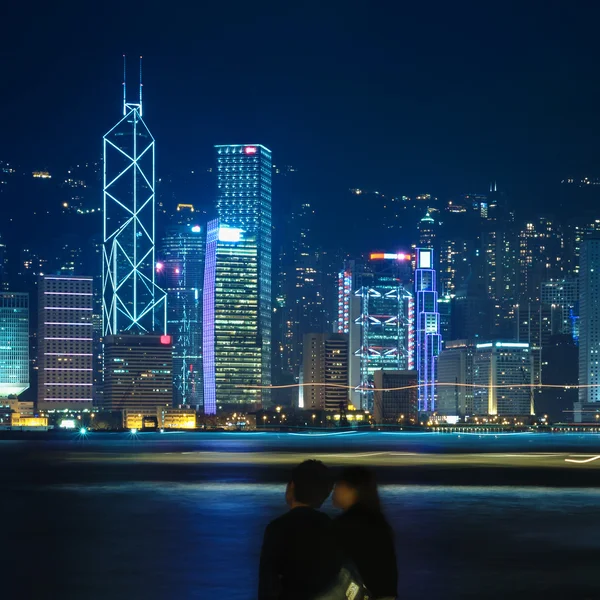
499	263
562	297
14	343
427	330
541	257
326	371
244	173
381	336
132	301
454	265
232	349
138	373
65	343
344	293
578	231
181	268
455	379
303	304
3	267
589	322
534	327
428	231
496	367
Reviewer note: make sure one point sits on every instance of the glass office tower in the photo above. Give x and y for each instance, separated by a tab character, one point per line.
181	271
14	344
244	203
232	350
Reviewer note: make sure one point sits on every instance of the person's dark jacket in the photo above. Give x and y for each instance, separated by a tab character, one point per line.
368	540
300	556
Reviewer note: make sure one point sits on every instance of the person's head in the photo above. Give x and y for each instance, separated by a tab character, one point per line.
310	484
356	485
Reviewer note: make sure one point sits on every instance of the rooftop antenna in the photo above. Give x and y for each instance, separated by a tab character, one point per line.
124	85
141	85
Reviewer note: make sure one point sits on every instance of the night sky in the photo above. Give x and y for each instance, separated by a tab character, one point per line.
397	96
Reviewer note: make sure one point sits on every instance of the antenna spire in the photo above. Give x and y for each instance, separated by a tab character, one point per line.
124	84
141	85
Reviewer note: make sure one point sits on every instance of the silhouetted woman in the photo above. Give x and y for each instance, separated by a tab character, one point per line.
364	532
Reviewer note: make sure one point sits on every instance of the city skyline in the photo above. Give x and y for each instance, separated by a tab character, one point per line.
297	299
273	270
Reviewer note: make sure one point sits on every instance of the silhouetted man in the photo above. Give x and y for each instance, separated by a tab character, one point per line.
300	557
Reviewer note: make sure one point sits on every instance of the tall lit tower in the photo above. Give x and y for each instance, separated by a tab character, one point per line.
232	357
182	270
589	322
427	328
244	202
384	322
427	231
132	302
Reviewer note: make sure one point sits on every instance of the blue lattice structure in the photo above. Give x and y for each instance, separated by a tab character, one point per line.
132	302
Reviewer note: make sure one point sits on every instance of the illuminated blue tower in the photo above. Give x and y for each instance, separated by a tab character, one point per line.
181	270
244	202
131	300
427	330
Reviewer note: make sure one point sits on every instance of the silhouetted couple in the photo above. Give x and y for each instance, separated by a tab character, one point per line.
308	556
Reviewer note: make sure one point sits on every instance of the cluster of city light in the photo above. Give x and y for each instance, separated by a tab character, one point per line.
389	256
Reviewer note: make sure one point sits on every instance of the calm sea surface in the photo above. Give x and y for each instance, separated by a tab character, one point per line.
172	539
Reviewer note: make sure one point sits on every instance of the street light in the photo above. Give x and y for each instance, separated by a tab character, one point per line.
313	418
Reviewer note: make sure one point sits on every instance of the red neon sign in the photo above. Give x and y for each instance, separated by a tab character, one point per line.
165	339
250	149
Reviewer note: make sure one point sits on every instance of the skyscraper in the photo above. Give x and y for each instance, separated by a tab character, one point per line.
132	302
589	322
562	297
427	330
14	343
232	351
428	229
344	292
65	343
181	268
305	276
534	327
455	371
383	322
138	372
540	257
497	365
244	202
499	264
325	362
